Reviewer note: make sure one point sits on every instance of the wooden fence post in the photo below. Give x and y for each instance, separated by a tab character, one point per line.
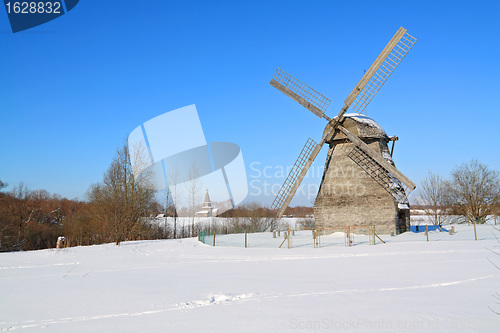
288	237
245	238
427	232
379	238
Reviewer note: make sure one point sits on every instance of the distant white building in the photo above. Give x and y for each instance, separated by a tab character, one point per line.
207	210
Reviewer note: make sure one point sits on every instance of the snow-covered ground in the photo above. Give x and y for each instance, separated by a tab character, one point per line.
405	285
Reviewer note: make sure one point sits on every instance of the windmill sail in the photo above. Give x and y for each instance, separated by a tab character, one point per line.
299	170
301	93
375	77
378	173
390	178
380	70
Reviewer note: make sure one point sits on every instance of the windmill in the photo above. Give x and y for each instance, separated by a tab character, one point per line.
376	192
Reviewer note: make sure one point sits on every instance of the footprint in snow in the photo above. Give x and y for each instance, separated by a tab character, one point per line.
216	299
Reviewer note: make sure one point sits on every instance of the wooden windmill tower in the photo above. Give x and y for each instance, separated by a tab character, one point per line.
360	184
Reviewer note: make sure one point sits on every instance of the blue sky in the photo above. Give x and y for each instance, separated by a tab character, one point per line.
74	88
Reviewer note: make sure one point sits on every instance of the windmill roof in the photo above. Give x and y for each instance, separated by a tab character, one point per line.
365	120
362	126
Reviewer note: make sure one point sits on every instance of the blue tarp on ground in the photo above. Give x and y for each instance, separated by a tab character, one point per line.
421	228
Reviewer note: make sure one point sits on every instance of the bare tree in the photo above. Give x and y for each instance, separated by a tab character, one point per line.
258	217
124	197
173	185
193	190
168	208
29	219
433	196
475	191
21	208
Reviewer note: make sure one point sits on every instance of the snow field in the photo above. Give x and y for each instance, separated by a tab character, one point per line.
405	285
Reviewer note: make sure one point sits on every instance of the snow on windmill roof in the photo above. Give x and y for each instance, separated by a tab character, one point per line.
362	126
364	119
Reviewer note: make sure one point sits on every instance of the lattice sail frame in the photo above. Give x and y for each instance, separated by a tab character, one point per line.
302	91
294	173
383	72
378	173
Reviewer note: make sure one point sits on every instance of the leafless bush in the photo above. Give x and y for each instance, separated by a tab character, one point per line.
474	191
307	223
434	198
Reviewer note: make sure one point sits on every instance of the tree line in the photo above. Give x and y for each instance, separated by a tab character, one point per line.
471	193
113	212
116	209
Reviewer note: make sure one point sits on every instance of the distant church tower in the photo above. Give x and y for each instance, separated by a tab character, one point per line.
207	210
